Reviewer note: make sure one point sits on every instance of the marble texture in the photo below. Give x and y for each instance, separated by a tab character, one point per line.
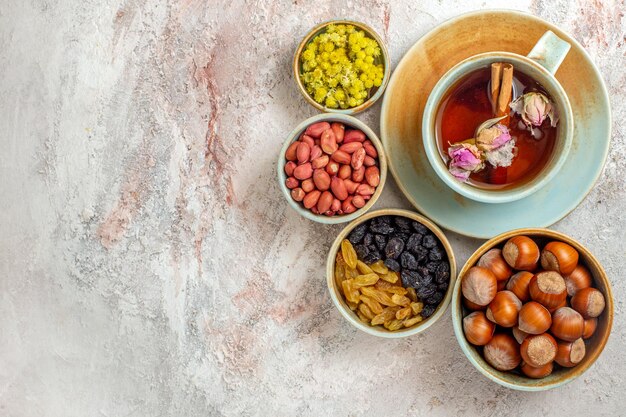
149	265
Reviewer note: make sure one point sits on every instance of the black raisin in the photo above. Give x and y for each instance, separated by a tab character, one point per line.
410	278
426	280
421	254
423	270
425	291
356	235
420	228
394	248
434	299
428	310
408	260
435	254
384	219
361	251
402	223
381	241
442	274
401	235
414	241
372	256
392	264
381	225
368	239
429	241
432	266
443	286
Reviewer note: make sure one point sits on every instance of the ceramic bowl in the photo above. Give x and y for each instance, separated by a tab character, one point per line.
560	376
337	296
376	92
349	122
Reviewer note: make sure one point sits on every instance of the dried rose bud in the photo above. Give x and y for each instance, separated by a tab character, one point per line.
492	137
464	159
534	108
497	145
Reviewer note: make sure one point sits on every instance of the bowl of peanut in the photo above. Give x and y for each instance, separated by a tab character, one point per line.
332	168
390	273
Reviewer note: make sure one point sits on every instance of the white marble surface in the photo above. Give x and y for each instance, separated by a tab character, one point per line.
149	265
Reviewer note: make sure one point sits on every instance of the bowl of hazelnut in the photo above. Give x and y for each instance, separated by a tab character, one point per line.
532	309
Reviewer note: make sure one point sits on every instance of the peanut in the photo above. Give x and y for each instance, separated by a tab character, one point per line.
370	149
347	207
369	161
316	152
304	171
308	185
350	147
321	180
365	189
307	139
332	168
344	172
320	162
350	186
341	157
336	206
372	176
292	183
315	130
324	202
303	152
358	174
328	141
290	153
338	188
297	194
358	201
353	135
338	130
311	198
357	158
289	167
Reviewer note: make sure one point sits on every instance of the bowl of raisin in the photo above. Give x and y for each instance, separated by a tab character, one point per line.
390	273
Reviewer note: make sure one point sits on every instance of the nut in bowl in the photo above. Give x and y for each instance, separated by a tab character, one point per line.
390	273
341	66
332	168
532	309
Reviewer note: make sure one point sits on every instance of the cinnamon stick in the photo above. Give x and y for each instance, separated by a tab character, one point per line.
496	78
501	88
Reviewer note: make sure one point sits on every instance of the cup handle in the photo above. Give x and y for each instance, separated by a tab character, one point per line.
550	51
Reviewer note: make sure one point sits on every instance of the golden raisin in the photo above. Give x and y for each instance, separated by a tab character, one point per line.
372	304
417	307
390	277
410	292
393	325
349	254
363	308
350	291
353	306
388	314
400	300
379	267
412	321
403	313
363	268
365	280
377	295
362	317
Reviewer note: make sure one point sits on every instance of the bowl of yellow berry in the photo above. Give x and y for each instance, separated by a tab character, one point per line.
342	66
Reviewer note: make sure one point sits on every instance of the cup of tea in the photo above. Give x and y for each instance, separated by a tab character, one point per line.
530	108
